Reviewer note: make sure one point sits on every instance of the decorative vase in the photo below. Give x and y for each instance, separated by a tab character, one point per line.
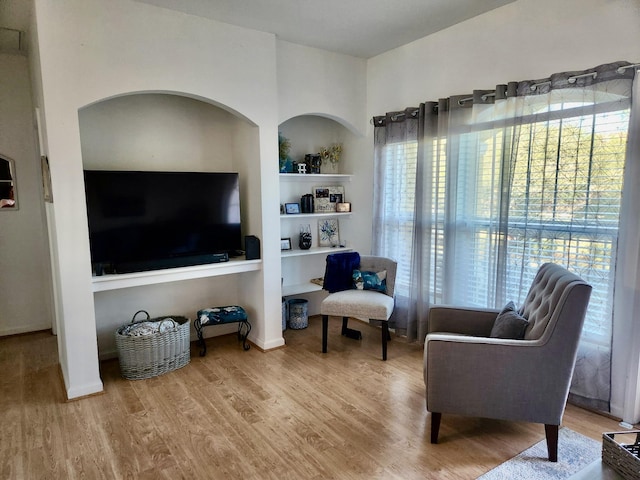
305	237
329	167
314	162
306	204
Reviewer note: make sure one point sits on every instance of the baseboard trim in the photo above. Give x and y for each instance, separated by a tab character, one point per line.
39	327
270	345
78	393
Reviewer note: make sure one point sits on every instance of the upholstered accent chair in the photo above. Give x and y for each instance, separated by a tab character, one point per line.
364	304
467	372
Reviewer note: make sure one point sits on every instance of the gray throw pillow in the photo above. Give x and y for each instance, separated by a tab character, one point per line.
509	324
509	307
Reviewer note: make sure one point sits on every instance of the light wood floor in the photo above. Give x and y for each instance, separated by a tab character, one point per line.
291	413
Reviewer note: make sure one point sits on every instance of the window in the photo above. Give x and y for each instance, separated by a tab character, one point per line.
563	203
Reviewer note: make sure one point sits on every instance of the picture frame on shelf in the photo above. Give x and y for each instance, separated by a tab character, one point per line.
292	208
343	207
328	232
327	198
285	244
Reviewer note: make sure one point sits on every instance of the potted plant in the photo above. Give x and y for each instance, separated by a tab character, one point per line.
284	147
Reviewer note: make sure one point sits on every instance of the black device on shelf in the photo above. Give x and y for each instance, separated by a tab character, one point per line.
153	220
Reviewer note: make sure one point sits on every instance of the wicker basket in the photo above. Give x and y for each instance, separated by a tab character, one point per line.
148	356
622	455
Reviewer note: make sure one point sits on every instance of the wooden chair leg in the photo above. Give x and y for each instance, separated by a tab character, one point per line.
325	329
385	337
551	432
435	426
350	332
345	322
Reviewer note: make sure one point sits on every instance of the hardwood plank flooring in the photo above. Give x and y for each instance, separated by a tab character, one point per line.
291	413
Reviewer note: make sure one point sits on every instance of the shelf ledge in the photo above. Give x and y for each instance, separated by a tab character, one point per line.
127	280
317	215
299	289
315	176
313	251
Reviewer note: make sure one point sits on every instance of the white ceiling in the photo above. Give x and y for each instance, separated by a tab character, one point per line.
362	28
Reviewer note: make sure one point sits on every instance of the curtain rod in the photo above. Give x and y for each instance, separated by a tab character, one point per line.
402	114
621	70
534	86
573	78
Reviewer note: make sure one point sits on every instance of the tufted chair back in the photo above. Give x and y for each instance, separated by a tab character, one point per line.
546	298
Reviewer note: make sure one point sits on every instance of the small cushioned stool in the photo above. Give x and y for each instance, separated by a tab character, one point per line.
220	316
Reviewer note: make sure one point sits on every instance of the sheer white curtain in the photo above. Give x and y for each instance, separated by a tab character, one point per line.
498	182
627	283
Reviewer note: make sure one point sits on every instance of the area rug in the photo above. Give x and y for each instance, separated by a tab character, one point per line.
575	452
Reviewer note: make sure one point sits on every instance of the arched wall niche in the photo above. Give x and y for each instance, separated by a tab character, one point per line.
341	121
309	132
170	131
160	130
200	98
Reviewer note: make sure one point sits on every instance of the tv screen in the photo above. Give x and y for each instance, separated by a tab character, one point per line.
151	220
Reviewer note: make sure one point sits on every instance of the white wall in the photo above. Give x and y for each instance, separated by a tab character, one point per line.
90	50
25	278
313	81
528	39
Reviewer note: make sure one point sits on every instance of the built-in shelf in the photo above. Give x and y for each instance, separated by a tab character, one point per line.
127	280
316	215
313	251
315	176
299	289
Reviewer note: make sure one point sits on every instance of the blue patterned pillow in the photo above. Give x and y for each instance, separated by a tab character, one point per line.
370	280
219	315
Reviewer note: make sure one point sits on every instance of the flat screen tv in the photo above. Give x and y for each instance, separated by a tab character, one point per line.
152	220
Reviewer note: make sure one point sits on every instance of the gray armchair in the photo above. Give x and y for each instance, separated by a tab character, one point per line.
468	373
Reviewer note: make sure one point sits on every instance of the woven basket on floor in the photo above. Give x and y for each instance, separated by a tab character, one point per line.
623	454
148	356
